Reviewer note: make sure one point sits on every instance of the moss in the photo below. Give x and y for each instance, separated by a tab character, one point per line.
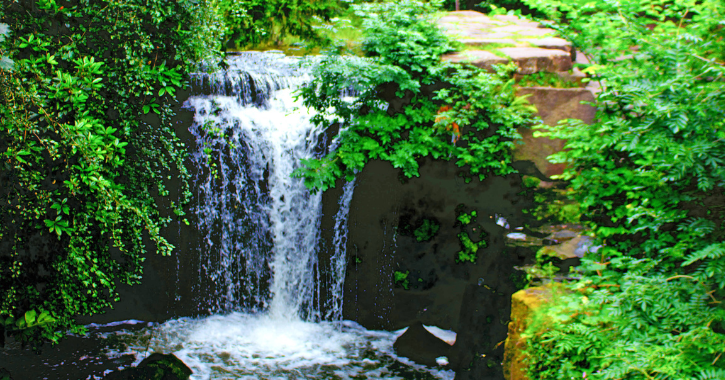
427	230
402	278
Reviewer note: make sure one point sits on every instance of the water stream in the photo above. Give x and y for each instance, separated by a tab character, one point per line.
261	231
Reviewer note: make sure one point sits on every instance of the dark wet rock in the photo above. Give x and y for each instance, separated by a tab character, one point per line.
421	346
155	367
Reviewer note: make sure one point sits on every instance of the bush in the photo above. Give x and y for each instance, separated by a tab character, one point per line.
649	174
410	104
86	142
252	22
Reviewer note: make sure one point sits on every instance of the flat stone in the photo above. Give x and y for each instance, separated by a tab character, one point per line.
563	251
562	236
480	58
534	60
517	20
551	43
529	60
488	40
523	31
477	29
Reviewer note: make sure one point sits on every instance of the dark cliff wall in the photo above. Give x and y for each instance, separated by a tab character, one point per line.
473	299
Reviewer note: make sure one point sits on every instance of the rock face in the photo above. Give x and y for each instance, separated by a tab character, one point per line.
500	39
155	367
471	299
553	104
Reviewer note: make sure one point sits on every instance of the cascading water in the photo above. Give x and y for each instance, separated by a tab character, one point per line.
262	232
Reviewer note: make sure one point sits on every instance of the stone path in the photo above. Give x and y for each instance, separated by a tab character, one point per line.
496	39
493	40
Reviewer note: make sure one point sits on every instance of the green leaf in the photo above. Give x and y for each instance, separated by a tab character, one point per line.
30	316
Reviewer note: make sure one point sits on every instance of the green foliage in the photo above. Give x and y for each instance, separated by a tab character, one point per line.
649	175
544	79
470	248
252	22
86	144
403	88
605	30
552	206
427	230
402	278
467	218
517	7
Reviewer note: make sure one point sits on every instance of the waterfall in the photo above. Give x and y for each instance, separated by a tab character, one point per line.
339	260
260	274
260	224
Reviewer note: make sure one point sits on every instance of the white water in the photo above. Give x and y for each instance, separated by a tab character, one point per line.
259	255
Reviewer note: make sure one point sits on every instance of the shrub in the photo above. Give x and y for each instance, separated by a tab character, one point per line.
86	142
649	174
409	104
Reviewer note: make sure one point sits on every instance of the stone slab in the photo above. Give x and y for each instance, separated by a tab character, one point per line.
480	58
529	60
476	29
534	60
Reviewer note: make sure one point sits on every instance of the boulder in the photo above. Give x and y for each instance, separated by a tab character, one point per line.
155	367
421	346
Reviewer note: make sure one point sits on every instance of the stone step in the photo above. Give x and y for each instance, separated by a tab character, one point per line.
530	60
498	39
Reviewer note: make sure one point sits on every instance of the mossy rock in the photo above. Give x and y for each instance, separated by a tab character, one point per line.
523	303
155	367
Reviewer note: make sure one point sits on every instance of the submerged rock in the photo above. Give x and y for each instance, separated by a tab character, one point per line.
155	367
421	346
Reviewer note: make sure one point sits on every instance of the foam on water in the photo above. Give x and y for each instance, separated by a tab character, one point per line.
257	346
